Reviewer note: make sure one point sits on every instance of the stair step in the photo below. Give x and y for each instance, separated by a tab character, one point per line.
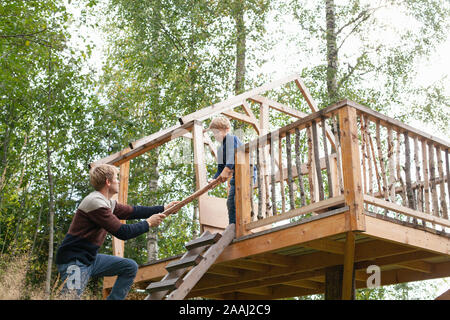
203	241
184	263
165	285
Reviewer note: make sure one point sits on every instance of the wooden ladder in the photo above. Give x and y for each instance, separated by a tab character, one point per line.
202	253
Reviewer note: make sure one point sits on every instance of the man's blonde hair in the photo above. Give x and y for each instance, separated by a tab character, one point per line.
220	123
100	173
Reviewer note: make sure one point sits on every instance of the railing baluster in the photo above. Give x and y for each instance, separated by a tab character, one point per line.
299	166
377	174
252	177
399	173
363	153
442	183
260	181
369	157
272	176
280	165
409	192
433	180
384	191
447	169
338	154
327	160
391	165
317	160
419	184
426	185
310	166
289	170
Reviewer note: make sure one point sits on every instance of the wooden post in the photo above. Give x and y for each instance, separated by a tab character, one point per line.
391	166
327	160
351	169
348	287
426	185
243	192
199	163
118	246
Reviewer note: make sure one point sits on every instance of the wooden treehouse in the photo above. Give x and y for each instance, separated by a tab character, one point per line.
336	191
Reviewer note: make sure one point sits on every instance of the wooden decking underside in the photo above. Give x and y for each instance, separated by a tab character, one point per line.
287	261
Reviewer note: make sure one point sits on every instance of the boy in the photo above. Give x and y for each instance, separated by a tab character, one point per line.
225	160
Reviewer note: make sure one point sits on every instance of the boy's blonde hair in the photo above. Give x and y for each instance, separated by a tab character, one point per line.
220	123
100	173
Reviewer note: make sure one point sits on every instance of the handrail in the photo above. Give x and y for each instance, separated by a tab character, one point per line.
387	179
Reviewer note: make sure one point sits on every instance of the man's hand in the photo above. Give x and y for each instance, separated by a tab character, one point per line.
155	219
171	204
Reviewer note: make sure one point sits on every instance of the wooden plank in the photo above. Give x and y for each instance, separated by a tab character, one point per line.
351	168
417	266
326	245
184	263
406	211
164	285
316	206
203	241
210	256
235	101
241	117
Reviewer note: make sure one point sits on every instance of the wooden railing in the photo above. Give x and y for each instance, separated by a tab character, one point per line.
344	158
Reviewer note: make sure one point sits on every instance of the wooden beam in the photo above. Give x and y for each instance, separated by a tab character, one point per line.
158	139
414	238
351	168
421	266
326	245
406	211
316	206
349	258
235	101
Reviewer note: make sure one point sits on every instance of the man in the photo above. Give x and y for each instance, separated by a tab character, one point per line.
77	258
221	127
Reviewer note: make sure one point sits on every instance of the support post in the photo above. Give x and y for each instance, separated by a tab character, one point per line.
243	192
348	273
351	169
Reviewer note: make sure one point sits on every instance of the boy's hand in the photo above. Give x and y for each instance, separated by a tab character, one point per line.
155	219
225	175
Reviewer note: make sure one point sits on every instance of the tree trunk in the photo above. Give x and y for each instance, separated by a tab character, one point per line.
332	52
51	203
239	84
152	235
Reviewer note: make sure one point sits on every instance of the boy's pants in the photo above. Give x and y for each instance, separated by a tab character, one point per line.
231	204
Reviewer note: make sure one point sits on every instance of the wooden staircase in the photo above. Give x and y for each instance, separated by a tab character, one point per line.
201	254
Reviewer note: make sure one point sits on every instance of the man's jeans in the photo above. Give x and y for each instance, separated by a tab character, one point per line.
231	203
78	275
